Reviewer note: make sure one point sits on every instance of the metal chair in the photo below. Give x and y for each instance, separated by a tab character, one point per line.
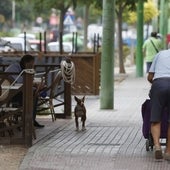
8	113
10	110
52	95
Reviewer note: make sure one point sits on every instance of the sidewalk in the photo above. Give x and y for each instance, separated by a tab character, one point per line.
113	139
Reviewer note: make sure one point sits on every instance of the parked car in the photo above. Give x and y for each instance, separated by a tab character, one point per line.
16	44
36	45
54	46
29	36
69	38
12	44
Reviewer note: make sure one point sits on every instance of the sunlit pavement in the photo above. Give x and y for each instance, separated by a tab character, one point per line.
113	139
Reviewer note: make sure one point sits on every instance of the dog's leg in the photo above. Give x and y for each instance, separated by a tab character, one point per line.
77	123
83	119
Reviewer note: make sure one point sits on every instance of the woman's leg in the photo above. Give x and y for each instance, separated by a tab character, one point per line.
155	130
168	141
167	151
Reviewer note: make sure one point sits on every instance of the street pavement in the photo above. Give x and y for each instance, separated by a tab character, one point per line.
113	139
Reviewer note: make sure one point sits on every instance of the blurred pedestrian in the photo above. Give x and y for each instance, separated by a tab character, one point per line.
27	61
151	47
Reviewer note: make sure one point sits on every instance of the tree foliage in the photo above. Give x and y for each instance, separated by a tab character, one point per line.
121	7
5	9
150	11
128	4
23	12
95	7
43	7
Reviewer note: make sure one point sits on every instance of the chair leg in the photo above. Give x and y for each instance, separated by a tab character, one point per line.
52	110
2	125
33	131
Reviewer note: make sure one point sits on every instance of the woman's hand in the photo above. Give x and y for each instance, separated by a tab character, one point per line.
150	77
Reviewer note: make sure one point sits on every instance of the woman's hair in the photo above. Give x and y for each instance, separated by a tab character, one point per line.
154	34
26	59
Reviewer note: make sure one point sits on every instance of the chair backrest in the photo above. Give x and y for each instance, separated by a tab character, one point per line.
5	83
55	83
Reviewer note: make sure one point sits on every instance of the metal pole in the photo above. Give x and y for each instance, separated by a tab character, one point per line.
13	13
163	21
139	53
28	108
155	20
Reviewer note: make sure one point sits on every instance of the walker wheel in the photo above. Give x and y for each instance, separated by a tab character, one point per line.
147	145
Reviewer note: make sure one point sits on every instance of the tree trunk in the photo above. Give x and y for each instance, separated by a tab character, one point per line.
61	27
107	79
120	43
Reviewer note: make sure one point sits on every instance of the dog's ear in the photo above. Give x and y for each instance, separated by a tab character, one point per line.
83	99
76	99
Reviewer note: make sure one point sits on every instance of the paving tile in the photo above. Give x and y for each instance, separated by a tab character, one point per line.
113	139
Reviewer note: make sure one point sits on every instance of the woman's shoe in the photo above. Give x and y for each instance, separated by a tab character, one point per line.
36	124
167	156
158	153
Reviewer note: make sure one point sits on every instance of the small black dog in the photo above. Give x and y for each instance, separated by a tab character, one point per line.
80	111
